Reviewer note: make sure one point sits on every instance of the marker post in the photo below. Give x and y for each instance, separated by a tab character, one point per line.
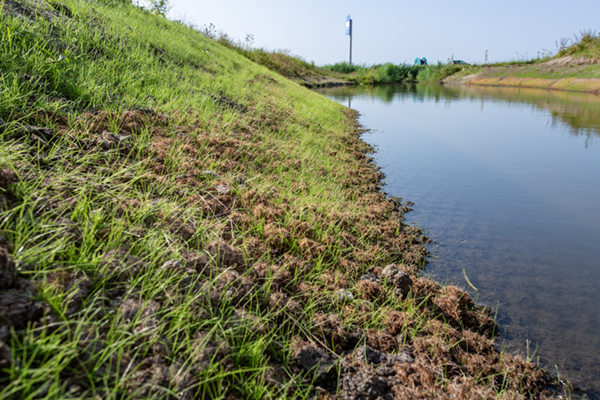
349	33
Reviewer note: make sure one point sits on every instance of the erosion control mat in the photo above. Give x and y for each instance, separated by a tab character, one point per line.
194	226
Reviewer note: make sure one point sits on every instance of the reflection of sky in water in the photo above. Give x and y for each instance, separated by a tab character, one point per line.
508	188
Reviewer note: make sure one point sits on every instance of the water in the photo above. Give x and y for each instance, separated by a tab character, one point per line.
507	183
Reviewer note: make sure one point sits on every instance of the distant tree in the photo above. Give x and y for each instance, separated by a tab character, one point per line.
160	7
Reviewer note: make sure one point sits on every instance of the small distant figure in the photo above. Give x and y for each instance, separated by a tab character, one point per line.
420	61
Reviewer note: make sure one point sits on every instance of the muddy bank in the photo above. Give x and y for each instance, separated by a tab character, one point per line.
566	73
323	82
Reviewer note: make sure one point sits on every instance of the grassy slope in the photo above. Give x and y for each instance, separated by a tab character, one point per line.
292	67
586	45
575	68
178	222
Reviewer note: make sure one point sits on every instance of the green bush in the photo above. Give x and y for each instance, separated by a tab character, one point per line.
378	73
437	72
343	67
586	44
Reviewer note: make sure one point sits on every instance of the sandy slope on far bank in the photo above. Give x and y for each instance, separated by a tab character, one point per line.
566	73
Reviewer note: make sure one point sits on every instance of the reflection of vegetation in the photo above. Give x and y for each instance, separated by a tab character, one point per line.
580	112
386	93
382	92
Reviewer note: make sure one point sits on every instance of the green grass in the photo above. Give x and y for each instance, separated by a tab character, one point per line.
586	44
439	71
344	67
377	74
181	218
392	73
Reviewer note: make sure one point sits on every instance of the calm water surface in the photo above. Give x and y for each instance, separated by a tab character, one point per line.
507	183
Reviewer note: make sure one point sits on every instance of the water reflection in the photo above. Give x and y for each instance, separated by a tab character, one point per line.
578	112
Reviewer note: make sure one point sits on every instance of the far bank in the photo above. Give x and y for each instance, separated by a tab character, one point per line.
577	74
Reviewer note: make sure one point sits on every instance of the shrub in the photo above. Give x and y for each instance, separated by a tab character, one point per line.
343	67
437	72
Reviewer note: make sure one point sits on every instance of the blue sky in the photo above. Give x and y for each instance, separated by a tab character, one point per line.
398	31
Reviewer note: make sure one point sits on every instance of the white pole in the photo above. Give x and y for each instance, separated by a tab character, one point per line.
350	42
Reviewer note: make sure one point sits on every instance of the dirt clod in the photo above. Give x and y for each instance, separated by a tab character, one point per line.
369	276
78	290
222	189
142	316
398	279
369	290
225	254
315	360
5	355
17	309
345	295
364	385
154	374
8	271
121	265
369	355
7	177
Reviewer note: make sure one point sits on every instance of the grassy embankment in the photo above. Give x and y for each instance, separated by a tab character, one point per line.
280	61
179	222
575	68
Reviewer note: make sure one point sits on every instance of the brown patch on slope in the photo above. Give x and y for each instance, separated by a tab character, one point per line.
571	60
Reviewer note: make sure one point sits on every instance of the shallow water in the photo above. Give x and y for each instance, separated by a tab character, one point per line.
507	183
